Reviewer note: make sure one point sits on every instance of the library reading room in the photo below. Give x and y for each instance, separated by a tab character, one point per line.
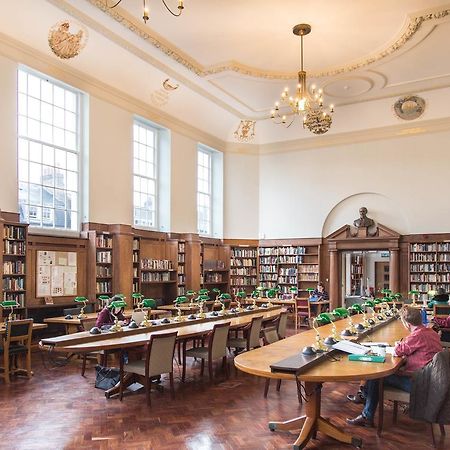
224	225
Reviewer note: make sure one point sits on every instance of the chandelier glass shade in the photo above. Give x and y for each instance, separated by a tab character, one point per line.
146	11
307	105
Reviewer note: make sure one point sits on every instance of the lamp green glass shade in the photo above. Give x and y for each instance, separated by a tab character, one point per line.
259	288
413	292
216	290
340	312
377	301
310	290
149	303
356	307
277	289
272	293
254	293
320	322
81	299
181	299
369	303
9	304
103	297
190	292
203	298
293	289
326	317
398	296
386	291
225	296
203	291
118	304
242	294
136	295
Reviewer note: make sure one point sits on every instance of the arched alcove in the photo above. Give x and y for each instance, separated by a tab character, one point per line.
382	209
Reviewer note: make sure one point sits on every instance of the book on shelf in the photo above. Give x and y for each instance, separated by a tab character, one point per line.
103	241
14	232
156	264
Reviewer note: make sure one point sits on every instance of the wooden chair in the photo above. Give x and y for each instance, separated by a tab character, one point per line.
302	312
251	333
158	359
216	349
86	325
17	342
282	324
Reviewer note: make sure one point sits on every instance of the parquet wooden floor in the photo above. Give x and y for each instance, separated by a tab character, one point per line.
58	409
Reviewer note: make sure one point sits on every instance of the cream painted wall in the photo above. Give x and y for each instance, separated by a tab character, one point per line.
184	184
8	147
110	163
241	199
402	181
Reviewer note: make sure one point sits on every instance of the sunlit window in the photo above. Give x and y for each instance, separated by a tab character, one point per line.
204	191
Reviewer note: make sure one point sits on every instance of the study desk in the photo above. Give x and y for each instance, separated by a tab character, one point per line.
72	325
257	362
275	301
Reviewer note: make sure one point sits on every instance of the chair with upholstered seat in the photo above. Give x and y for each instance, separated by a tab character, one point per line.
16	343
216	349
250	337
86	325
159	352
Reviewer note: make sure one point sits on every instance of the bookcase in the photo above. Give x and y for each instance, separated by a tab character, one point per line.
429	267
243	269
214	266
356	274
181	269
289	266
136	264
13	261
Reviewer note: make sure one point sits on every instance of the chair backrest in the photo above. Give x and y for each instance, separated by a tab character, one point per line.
254	332
160	351
218	341
138	316
441	310
87	324
18	330
72	311
270	335
282	325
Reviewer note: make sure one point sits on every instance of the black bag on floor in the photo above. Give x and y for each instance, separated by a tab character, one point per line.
106	377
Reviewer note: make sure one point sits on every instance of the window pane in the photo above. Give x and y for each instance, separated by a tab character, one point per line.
47	91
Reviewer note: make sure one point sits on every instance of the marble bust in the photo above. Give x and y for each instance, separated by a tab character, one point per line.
363	221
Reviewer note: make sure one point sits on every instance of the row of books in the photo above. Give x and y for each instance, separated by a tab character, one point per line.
243	281
104	257
424	278
181	278
13	268
308	277
287	280
181	258
278	251
290	271
14	232
103	241
136	244
213	277
181	247
244	271
103	271
135	257
14	296
104	287
180	269
243	253
423	247
14	247
13	284
156	264
268	269
422	268
156	276
268	277
244	262
423	257
309	268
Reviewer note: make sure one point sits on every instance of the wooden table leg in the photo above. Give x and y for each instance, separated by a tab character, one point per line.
312	422
128	380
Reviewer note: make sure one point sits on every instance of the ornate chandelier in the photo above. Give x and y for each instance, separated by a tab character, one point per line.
308	105
146	11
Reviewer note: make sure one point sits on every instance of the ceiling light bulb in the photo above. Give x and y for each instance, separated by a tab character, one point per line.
302	104
331	108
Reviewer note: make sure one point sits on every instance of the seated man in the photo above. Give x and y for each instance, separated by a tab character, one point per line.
419	349
319	294
441	297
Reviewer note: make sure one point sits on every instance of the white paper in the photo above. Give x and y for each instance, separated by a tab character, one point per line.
390	351
375	344
72	259
351	347
57	282
70	281
43	281
61	260
45	258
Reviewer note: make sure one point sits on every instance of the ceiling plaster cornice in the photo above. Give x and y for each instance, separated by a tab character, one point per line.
412	26
23	54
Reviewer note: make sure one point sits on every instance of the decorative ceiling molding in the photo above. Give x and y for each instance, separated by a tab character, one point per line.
412	27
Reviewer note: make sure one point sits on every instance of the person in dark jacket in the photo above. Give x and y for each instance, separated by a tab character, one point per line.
440	298
106	315
419	348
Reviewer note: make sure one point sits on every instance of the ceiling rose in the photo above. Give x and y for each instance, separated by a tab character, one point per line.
410	107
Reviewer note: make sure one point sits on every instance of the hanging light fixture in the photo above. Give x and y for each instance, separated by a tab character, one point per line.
146	11
307	105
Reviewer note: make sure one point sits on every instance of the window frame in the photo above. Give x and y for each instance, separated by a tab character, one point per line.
210	153
79	151
141	122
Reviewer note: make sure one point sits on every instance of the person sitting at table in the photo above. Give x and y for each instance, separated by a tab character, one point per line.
319	294
106	315
419	348
440	298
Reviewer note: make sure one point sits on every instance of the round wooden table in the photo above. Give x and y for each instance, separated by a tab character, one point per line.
258	362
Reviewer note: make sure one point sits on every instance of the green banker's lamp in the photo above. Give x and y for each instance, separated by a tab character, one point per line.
9	304
104	299
113	305
191	294
178	301
310	291
202	299
271	293
351	329
137	300
294	291
148	304
414	294
240	295
259	292
334	336
318	346
83	300
222	297
367	323
277	290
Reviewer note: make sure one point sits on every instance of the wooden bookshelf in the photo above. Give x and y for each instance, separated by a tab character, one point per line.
13	264
356	274
243	268
215	265
136	264
268	267
429	267
181	268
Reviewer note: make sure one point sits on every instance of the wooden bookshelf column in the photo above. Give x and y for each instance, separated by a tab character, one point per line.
244	268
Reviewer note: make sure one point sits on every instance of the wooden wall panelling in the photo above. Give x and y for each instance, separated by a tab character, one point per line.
123	260
192	267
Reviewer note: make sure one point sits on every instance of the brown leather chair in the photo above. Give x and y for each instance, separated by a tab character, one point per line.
16	343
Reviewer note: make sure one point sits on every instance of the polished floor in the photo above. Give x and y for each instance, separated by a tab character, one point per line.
59	409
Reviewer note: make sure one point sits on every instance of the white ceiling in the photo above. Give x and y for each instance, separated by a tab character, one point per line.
232	58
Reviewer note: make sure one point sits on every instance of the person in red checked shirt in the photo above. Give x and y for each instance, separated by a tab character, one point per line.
419	349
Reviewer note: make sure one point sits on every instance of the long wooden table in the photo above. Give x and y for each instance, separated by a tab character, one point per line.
257	362
72	325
